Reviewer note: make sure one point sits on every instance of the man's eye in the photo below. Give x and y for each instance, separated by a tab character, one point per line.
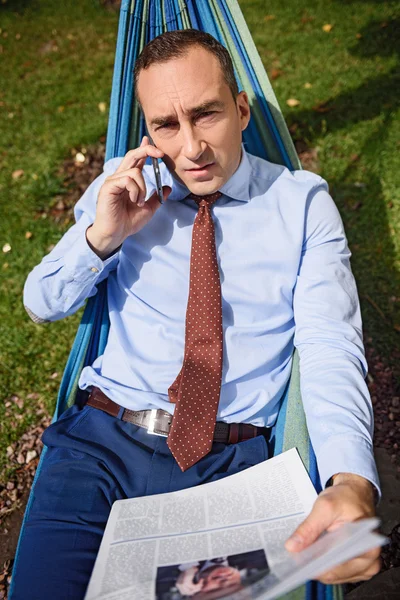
206	114
166	126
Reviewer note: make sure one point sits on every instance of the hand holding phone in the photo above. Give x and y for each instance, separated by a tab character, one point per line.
121	208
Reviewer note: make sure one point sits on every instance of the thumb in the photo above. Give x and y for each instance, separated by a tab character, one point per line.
318	521
166	192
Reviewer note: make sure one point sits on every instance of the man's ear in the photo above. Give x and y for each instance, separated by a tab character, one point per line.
243	106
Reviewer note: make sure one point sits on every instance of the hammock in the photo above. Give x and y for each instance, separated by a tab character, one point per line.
266	136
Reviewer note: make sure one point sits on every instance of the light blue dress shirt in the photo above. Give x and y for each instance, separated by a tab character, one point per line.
285	280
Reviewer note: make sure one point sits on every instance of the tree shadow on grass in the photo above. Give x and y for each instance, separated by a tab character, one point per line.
362	204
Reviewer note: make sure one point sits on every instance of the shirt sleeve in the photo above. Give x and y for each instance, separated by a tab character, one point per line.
328	336
70	273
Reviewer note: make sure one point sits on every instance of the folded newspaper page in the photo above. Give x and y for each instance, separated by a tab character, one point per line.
223	539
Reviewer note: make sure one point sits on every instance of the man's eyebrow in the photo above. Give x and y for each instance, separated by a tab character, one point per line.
204	107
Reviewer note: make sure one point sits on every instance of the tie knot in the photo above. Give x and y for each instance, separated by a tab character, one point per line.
206	200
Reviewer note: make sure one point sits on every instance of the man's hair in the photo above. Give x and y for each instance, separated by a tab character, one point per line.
175	44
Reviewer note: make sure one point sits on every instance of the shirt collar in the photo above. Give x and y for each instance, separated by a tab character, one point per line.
236	188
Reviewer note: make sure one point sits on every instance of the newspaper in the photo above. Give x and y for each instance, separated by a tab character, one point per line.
223	539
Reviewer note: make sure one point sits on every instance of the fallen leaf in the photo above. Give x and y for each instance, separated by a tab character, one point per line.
5	266
30	456
79	157
17	174
102	107
292	102
60	205
34	176
322	107
54	375
308	85
6	248
61	109
275	73
269	18
328	27
20	459
10	115
358	36
50	46
18	36
354	157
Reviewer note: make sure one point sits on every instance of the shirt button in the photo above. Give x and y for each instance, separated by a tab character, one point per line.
94	270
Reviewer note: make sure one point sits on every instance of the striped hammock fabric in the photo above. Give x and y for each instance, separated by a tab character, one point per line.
267	136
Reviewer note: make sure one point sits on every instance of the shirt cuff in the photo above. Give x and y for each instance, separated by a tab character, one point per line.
83	264
348	455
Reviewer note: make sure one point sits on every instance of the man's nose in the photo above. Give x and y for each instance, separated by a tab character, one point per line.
192	144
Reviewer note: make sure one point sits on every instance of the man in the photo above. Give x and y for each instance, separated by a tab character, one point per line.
207	579
269	269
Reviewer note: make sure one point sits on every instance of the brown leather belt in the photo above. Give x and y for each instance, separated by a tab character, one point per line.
159	421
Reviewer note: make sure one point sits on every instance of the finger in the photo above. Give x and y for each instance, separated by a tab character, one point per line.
136	175
145	142
133	190
320	518
358	569
132	158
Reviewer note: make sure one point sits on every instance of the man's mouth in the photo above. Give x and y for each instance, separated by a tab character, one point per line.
200	169
202	173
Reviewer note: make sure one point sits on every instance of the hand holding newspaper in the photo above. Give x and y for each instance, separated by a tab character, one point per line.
224	539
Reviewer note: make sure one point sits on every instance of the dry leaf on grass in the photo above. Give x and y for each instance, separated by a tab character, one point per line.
17	174
275	73
79	158
322	107
292	102
328	27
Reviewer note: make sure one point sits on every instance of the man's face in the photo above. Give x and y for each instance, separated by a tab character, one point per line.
220	578
192	117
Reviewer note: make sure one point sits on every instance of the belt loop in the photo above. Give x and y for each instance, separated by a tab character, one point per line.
121	412
233	433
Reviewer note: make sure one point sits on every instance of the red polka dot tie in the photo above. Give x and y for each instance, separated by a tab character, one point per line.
197	388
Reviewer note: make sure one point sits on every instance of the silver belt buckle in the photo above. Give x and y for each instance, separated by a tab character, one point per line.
152	422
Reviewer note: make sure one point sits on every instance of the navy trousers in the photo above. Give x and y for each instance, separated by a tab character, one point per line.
92	460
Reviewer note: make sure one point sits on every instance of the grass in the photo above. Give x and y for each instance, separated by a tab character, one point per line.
56	61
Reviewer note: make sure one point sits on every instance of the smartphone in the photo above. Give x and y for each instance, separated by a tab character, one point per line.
157	174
